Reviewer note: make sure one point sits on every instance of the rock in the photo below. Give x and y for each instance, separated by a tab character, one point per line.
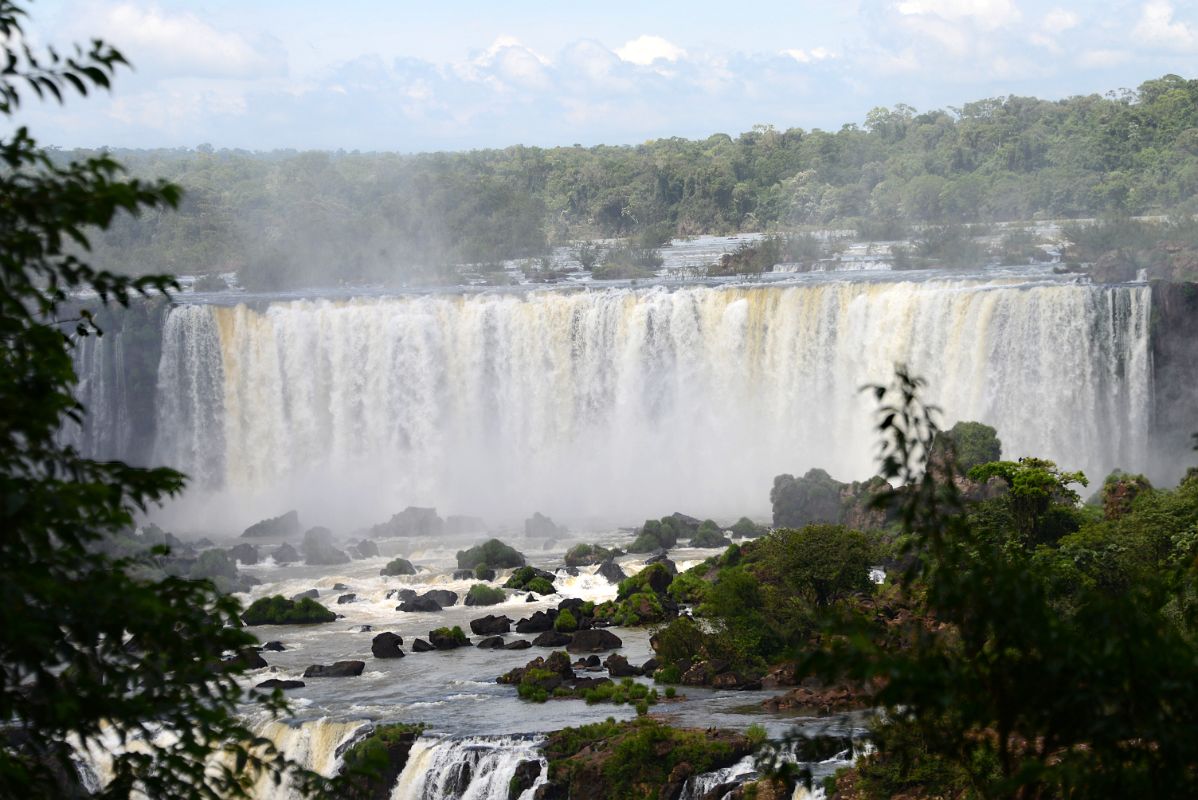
591	661
386	645
311	594
540	621
482	573
823	700
367	549
594	641
618	667
463	574
552	639
278	610
571	571
421	646
340	587
412	521
729	680
341	669
319	550
245	553
346	598
365	629
274	647
524	778
275	683
781	675
676	781
421	603
611	570
443	639
590	683
662	559
491	643
539	526
282	526
649	667
247	658
815	497
285	554
660	579
490	625
531	598
398	566
402	594
573	605
443	597
518	644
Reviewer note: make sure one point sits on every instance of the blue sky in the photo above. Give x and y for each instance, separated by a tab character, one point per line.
267	74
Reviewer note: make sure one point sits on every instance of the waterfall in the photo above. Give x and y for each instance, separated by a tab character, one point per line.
100	367
631	402
470	768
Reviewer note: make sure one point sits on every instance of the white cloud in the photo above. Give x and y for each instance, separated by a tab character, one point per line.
809	56
986	13
644	50
1101	59
1156	26
183	44
1059	20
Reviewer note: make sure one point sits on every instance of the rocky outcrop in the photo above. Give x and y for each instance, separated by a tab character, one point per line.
398	566
421	603
319	550
285	554
386	645
448	638
443	597
814	697
367	549
245	553
539	526
307	594
490	643
276	683
283	526
518	644
538	622
274	647
552	639
611	570
618	667
412	521
421	646
341	669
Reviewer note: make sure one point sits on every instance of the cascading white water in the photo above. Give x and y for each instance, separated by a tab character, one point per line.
471	768
626	403
100	367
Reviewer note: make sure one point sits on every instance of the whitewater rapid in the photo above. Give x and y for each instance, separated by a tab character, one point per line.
627	403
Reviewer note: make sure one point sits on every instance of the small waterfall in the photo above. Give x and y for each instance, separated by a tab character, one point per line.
100	369
471	768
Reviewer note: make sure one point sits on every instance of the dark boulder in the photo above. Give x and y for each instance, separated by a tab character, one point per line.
386	645
540	621
518	644
285	554
367	549
611	570
245	552
421	646
341	669
463	574
283	526
573	605
421	603
346	598
524	778
445	639
618	667
663	559
649	667
594	641
539	526
274	647
491	643
443	597
340	587
398	566
552	639
275	683
590	683
571	571
311	594
490	625
247	658
402	595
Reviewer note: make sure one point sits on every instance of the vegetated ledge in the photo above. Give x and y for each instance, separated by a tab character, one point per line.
373	763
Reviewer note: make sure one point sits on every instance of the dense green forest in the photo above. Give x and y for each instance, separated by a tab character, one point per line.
289	218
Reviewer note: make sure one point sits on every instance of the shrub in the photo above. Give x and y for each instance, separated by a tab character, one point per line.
482	595
746	528
565	622
278	610
688	587
455	633
540	586
668	674
709	535
757	735
492	553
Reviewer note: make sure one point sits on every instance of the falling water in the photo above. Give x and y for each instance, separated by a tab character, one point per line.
471	768
626	402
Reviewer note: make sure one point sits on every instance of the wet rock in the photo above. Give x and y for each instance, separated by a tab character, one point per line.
518	644
282	526
367	549
247	658
275	683
661	558
540	621
444	639
649	667
412	521
398	566
245	553
490	625
730	680
552	639
421	603
340	587
491	643
571	571
341	669
346	598
274	647
421	646
463	574
611	571
821	699
524	778
531	598
442	597
403	595
618	667
539	526
285	554
590	683
594	641
780	676
386	645
311	594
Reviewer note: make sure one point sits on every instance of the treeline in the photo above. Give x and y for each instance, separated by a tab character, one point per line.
289	218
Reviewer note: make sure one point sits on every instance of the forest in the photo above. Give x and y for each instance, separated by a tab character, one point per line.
287	218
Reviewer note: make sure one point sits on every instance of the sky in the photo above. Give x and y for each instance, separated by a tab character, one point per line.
399	76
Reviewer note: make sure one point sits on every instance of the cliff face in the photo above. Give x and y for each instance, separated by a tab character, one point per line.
1175	374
